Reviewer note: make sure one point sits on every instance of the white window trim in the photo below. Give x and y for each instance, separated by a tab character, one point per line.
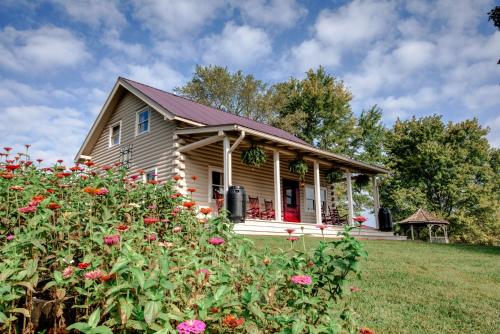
110	136
311	186
137	121
146	171
210	170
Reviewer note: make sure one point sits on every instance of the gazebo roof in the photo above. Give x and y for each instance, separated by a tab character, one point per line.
423	217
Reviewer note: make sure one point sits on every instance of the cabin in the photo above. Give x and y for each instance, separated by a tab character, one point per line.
163	134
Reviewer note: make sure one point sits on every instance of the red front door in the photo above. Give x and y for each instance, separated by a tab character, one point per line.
291	201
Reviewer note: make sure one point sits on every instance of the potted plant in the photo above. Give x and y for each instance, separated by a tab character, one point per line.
362	180
299	167
255	156
334	175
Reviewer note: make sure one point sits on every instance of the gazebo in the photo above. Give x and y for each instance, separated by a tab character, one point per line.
422	218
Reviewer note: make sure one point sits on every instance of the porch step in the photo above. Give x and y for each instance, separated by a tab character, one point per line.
265	227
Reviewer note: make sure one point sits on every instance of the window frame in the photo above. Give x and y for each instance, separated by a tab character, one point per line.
321	189
148	110
149	170
110	135
210	181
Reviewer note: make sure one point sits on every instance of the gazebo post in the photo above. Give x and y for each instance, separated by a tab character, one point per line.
430	232
445	234
412	236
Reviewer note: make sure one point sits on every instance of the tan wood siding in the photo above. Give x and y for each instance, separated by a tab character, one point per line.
257	181
150	150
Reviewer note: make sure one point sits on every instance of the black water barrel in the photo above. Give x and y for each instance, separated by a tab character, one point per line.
385	219
236	204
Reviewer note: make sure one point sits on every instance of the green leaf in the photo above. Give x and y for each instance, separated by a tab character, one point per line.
94	318
80	326
119	265
138	276
298	327
126	308
100	330
223	290
151	311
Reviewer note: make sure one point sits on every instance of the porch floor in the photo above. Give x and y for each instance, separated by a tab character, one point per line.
270	227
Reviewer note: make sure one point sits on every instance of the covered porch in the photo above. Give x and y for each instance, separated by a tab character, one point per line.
208	159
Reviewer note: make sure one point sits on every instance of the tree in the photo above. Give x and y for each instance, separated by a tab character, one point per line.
448	169
494	15
236	93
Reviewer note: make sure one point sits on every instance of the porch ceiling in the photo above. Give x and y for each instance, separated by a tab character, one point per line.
284	146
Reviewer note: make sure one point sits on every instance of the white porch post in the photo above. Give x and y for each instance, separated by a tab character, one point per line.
317	192
277	186
376	200
227	167
350	208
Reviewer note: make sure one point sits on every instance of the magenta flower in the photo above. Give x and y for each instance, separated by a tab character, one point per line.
67	272
151	220
204	271
292	239
10	237
191	326
216	241
321	226
28	209
151	237
301	279
102	191
111	240
93	275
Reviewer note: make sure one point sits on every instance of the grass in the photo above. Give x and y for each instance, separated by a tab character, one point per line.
416	287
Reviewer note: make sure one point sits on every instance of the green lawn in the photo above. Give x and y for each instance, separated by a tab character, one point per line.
416	287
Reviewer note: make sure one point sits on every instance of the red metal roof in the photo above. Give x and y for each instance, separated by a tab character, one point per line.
199	113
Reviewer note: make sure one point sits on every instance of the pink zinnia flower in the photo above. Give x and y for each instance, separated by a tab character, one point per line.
292	239
191	326
151	220
67	272
111	240
360	219
10	237
151	237
321	226
204	271
94	274
301	279
290	230
28	209
102	192
216	241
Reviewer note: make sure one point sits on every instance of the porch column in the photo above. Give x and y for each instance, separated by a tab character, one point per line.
446	234
412	236
350	208
277	186
376	200
227	167
317	192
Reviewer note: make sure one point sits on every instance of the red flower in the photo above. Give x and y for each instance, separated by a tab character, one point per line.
191	190
60	161
206	211
134	177
177	177
28	163
28	209
37	199
111	240
76	168
292	239
89	163
366	330
188	204
151	220
89	190
360	219
194	177
106	168
8	149
122	228
153	182
290	230
83	265
12	167
216	241
232	322
7	176
51	191
107	277
53	206
101	191
16	188
27	145
39	160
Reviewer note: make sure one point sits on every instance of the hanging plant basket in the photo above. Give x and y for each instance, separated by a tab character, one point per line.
255	156
298	167
334	175
362	180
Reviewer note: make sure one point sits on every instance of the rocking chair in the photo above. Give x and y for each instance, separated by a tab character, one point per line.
219	201
268	212
337	218
254	210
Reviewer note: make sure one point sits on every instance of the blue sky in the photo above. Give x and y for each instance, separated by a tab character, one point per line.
59	58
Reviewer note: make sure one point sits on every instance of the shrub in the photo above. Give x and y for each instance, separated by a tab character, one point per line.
255	156
94	250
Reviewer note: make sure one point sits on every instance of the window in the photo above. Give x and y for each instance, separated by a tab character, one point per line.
216	183
150	175
115	134
143	121
310	203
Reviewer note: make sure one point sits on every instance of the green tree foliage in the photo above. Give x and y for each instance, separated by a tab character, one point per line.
237	93
447	168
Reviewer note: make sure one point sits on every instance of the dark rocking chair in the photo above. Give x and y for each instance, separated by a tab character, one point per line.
219	201
254	210
337	218
268	212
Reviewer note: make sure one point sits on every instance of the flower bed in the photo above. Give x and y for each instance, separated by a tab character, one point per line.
92	249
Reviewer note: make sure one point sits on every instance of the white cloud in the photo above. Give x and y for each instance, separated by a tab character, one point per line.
494	135
413	54
236	46
157	75
111	38
177	19
40	49
94	12
282	13
54	132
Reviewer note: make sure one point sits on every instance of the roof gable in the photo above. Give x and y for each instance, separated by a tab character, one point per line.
199	113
